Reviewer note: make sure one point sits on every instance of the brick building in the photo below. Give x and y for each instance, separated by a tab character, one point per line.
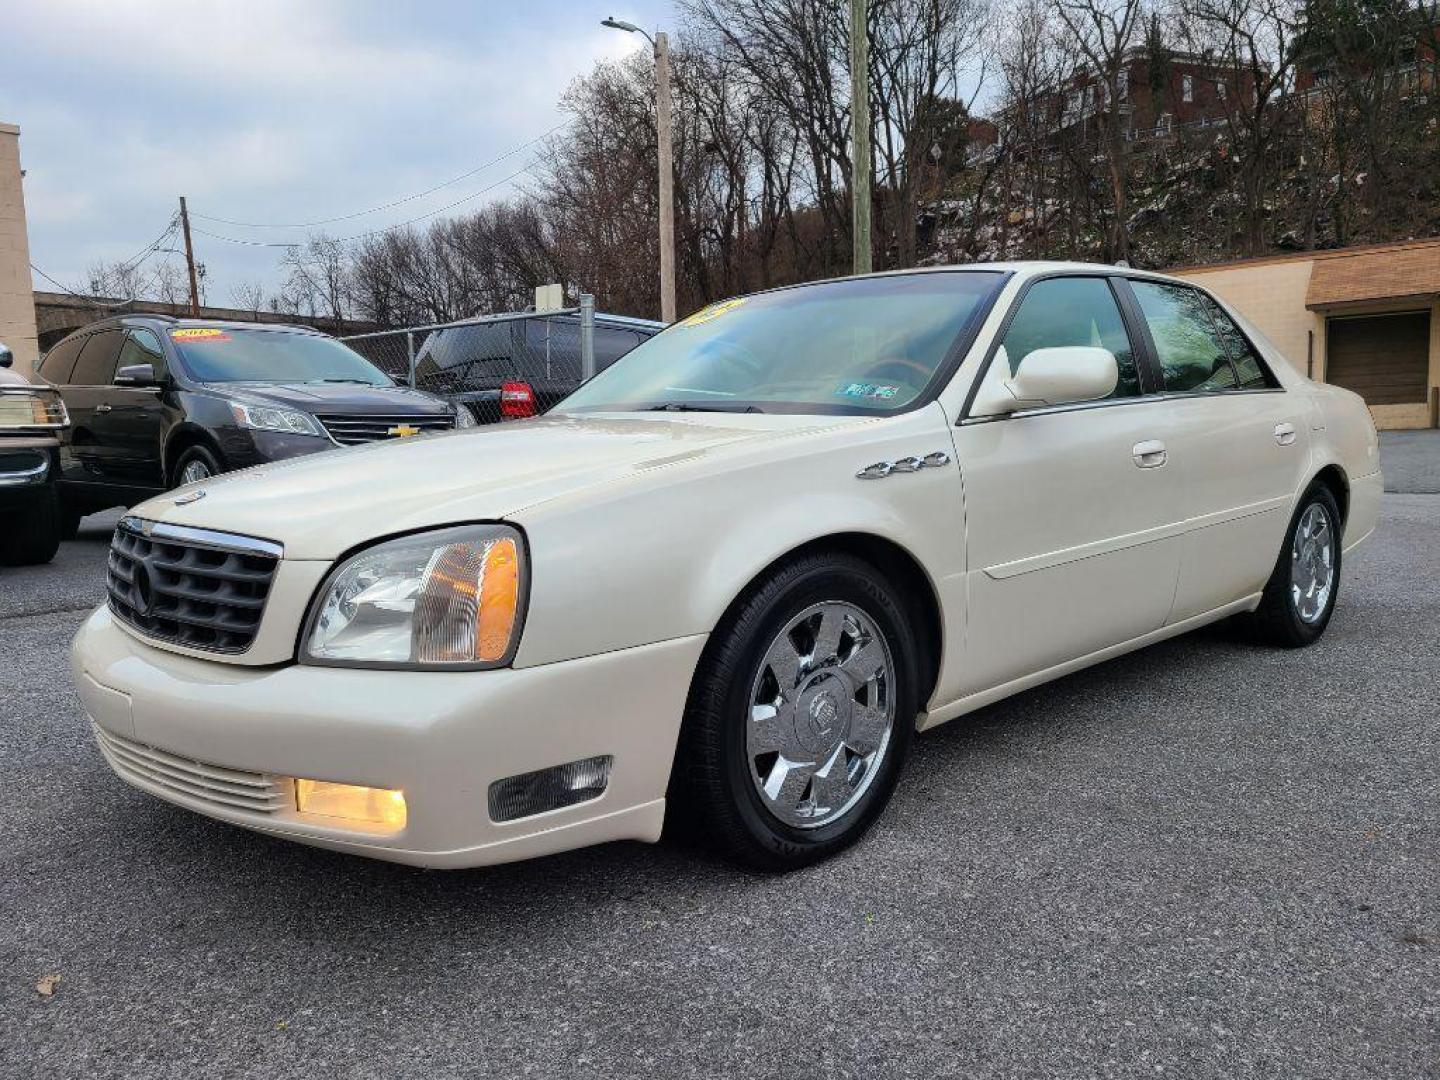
1155	96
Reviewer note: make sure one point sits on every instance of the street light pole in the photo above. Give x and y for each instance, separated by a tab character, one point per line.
664	137
667	178
860	137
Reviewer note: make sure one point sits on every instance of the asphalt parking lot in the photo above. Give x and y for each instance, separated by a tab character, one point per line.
1206	859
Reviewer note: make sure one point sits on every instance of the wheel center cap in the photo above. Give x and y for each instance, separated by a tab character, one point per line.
822	715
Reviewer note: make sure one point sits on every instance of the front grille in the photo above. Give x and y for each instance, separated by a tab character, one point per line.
192	587
351	430
259	793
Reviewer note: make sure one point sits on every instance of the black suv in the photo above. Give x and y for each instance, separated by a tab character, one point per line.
512	368
157	402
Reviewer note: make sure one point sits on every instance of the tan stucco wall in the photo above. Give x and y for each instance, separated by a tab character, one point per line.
17	298
1272	296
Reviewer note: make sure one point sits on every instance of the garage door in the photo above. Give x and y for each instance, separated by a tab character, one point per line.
1383	358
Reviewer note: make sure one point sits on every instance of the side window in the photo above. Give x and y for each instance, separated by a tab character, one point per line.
60	360
142	347
1192	357
1072	311
1249	368
96	366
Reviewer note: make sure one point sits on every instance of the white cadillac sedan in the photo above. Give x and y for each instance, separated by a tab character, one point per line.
730	577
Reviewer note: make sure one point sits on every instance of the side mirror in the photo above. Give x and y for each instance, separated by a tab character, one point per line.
6	356
1055	376
136	375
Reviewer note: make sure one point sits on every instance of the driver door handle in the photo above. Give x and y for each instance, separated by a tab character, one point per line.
1149	454
103	408
1285	434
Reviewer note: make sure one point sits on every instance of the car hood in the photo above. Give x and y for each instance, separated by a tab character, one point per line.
334	397
323	505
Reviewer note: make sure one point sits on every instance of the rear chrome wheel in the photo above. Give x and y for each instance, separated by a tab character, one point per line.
1300	596
1312	563
822	708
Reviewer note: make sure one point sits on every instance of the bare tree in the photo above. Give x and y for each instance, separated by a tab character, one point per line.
1103	32
249	296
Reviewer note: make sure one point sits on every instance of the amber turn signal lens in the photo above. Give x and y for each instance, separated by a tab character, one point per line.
499	598
351	802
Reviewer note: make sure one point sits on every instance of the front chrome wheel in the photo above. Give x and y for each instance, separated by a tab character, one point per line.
1312	564
822	708
195	471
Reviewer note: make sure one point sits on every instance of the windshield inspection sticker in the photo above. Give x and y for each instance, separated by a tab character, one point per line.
197	333
714	311
878	391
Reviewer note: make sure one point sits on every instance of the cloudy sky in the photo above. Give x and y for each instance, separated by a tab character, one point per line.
268	111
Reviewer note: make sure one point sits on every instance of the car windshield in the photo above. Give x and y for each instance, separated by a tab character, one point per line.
230	354
856	346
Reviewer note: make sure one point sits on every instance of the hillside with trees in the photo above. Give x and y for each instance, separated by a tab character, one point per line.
1012	132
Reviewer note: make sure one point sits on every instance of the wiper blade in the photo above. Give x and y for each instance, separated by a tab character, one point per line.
357	382
687	406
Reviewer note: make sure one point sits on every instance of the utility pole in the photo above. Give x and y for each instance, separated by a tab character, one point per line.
667	177
663	133
860	136
190	259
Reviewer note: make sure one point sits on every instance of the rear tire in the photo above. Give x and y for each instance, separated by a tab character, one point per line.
33	534
807	689
195	464
1300	596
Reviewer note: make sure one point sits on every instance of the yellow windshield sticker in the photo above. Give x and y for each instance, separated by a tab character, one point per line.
196	333
713	311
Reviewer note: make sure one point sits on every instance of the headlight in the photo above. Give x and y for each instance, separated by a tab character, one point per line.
22	407
463	416
453	598
269	418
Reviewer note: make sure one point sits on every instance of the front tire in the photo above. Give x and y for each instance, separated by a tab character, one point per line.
800	716
33	536
1300	595
195	464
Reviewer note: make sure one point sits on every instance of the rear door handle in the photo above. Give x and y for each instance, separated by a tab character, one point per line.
1149	454
102	407
1285	434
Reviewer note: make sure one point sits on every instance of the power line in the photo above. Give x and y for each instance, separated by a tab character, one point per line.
79	296
449	206
150	248
372	232
389	205
237	240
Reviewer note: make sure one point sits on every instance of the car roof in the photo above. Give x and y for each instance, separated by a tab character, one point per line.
170	321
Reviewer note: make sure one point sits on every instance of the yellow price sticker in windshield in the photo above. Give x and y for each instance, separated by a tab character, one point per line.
713	311
195	333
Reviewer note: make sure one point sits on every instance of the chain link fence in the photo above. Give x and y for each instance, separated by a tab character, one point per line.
499	366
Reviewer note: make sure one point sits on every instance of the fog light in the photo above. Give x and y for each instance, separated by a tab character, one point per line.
549	789
350	802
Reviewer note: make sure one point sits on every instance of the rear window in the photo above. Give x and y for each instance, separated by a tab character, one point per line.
96	366
59	362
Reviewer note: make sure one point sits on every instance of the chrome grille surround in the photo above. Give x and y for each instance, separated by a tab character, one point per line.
193	587
354	429
230	789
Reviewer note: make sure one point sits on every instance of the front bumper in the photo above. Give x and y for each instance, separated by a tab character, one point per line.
25	468
441	737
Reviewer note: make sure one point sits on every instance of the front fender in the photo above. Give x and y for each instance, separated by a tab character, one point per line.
663	556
